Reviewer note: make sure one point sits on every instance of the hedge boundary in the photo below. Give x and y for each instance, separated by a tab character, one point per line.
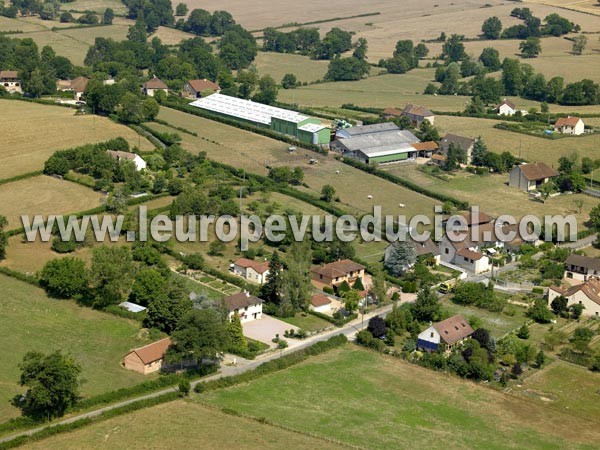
23	176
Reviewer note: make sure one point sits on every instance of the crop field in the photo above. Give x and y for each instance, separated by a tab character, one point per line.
565	387
44	195
530	148
31	321
256	152
25	149
372	401
279	64
485	192
180	424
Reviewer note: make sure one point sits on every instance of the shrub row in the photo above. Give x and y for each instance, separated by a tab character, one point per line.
30	279
407	184
276	364
167	124
148	135
23	176
167	139
175	104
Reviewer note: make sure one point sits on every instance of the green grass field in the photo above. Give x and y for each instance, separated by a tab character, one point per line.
307	322
565	387
370	401
181	424
31	321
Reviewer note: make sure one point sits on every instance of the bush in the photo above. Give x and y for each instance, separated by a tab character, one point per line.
328	290
184	388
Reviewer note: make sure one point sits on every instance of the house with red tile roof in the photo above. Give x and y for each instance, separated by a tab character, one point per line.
147	359
586	294
320	303
569	125
335	273
251	270
445	335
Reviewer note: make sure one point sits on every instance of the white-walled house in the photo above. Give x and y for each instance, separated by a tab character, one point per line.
247	306
320	303
464	254
151	87
139	162
506	108
581	268
251	270
445	335
9	79
569	125
586	294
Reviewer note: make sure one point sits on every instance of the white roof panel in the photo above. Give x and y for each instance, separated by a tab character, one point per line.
246	109
312	127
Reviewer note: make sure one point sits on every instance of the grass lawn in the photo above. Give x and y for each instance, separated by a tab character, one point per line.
25	149
31	321
485	192
279	64
44	195
498	324
307	322
371	401
180	424
565	387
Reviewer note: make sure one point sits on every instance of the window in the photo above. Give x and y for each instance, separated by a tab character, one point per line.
431	335
446	251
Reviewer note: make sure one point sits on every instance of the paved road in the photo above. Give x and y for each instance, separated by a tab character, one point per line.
243	365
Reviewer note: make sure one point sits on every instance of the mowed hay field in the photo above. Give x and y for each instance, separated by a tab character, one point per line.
410	19
37	131
181	424
530	148
44	195
253	152
31	321
373	401
279	64
493	196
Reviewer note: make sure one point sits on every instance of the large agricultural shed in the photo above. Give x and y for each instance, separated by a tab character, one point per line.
308	130
379	143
